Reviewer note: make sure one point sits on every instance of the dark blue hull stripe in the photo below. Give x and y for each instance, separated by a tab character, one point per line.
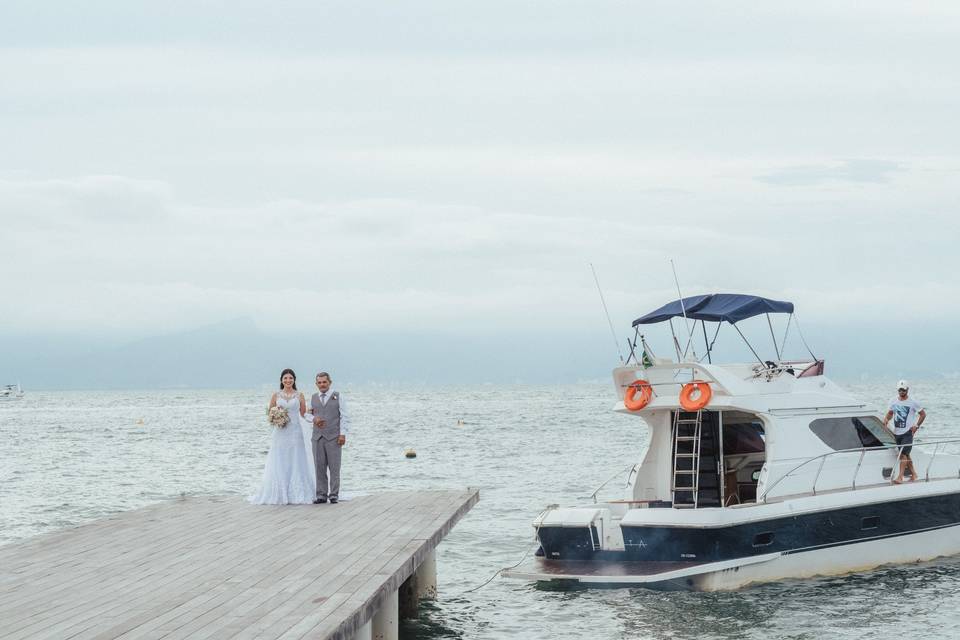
784	534
875	538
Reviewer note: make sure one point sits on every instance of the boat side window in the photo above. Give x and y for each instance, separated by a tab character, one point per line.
851	432
872	433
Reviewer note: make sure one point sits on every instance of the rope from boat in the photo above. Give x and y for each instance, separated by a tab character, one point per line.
499	571
516	564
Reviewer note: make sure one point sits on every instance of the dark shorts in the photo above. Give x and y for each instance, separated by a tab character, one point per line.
905	439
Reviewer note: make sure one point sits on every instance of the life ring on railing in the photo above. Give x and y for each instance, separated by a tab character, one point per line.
688	402
630	399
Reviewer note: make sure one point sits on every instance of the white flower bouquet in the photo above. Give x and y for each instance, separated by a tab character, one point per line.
278	417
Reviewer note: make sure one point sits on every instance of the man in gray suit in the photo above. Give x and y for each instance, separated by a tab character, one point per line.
330	425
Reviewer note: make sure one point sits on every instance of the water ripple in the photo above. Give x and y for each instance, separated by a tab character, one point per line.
524	446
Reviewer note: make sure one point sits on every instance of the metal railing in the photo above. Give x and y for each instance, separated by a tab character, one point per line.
632	469
862	450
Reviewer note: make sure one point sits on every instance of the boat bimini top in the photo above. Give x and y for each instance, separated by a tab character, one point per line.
718	308
728	379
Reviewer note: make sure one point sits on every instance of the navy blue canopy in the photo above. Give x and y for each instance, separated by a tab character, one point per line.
717	307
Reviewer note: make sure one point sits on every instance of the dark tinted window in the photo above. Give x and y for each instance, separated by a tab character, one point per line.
742	437
851	433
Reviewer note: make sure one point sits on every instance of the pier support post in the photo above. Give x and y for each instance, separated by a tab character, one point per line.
365	632
426	576
422	583
409	600
385	620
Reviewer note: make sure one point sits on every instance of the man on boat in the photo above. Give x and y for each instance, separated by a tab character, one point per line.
907	416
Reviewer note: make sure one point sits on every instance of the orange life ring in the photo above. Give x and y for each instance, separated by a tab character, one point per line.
633	403
687	391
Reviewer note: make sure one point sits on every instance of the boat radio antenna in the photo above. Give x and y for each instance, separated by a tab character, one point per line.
613	333
683	309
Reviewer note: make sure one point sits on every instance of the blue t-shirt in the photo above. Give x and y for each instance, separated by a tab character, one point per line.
904	414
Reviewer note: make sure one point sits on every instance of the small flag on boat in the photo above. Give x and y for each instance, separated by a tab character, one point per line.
646	360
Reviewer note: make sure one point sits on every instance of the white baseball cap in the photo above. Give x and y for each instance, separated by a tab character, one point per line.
902	385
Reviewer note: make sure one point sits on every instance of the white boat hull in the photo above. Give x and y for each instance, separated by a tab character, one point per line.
849	558
729	575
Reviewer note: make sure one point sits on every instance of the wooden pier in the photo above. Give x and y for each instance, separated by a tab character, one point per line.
220	568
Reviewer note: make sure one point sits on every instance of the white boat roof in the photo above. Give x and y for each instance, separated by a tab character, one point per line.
750	387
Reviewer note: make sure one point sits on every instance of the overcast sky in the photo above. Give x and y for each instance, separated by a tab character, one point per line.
418	165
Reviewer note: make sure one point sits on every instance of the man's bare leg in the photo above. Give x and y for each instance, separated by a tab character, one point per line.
912	470
903	467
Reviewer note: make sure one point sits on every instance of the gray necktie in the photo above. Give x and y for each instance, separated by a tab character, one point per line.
323	399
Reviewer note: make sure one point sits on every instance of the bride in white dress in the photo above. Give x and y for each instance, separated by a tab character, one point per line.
287	477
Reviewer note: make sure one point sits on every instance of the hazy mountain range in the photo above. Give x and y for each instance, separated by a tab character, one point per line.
238	354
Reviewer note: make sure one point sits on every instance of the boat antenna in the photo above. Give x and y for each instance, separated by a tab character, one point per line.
616	343
683	309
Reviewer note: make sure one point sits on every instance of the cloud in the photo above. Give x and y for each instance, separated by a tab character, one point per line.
409	264
97	200
857	171
465	169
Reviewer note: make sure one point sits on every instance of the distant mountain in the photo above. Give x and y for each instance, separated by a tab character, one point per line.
239	354
222	355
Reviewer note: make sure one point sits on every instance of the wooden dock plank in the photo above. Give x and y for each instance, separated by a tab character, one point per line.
219	568
180	591
272	551
284	562
176	557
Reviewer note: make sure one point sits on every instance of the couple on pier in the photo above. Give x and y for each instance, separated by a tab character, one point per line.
295	472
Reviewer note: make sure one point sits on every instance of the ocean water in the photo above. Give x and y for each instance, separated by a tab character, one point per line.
73	457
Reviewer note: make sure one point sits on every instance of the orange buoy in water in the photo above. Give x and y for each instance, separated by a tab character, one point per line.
630	399
695	395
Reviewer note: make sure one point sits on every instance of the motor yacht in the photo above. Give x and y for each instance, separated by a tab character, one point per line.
11	392
753	472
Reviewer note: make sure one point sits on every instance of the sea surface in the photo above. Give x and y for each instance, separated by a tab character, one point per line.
72	457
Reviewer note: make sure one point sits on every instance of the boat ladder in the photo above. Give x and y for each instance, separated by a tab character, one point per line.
686	458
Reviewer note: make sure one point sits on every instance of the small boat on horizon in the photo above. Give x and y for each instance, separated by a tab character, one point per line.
754	472
11	392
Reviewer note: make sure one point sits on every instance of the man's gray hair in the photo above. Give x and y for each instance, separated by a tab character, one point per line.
325	375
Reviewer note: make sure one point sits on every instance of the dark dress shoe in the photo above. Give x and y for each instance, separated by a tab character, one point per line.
322	501
334	501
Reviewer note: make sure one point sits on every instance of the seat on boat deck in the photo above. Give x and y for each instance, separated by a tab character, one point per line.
816	369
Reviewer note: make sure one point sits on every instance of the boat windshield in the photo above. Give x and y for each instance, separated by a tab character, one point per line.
852	432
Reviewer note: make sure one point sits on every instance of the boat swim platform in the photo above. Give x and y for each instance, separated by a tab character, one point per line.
624	574
217	567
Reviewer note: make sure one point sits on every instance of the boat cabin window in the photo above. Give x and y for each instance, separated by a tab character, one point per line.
742	437
851	432
744	453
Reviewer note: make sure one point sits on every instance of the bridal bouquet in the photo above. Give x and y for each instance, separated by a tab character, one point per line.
278	417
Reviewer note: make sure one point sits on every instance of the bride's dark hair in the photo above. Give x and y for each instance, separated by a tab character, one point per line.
285	372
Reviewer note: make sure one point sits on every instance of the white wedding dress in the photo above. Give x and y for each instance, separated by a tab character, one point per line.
288	477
